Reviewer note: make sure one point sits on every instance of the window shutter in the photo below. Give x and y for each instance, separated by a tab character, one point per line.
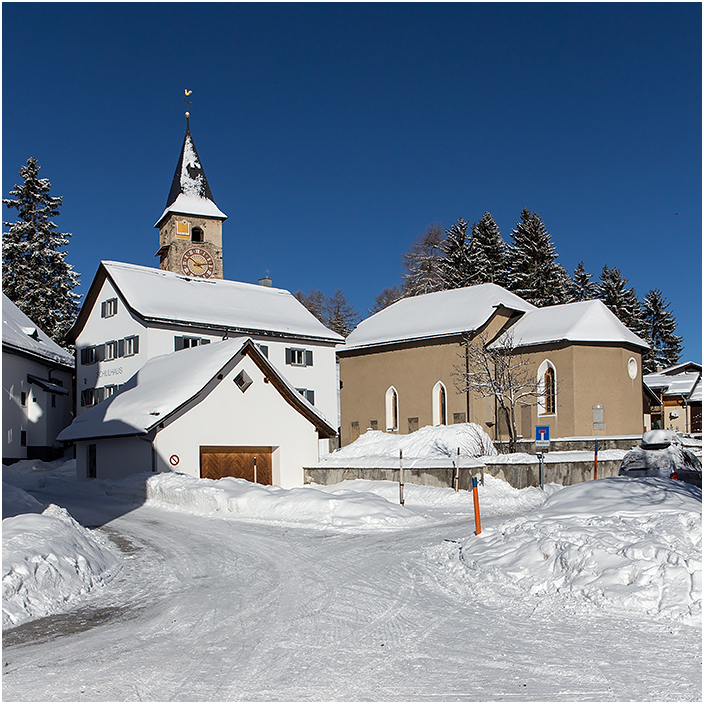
309	358
103	311
178	343
100	353
204	341
310	396
288	355
135	344
83	397
84	357
120	348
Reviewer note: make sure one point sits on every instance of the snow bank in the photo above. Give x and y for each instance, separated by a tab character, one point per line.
302	506
428	447
16	501
625	543
496	497
47	560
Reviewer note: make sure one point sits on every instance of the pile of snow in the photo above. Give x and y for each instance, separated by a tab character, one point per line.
47	560
431	446
303	506
626	543
496	497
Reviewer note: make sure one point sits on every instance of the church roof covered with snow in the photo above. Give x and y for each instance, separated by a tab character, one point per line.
150	396
584	321
20	334
433	315
155	295
190	192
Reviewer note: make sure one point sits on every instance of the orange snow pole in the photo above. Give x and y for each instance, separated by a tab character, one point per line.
477	520
400	478
596	452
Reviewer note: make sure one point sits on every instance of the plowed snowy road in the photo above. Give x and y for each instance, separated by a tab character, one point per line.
212	609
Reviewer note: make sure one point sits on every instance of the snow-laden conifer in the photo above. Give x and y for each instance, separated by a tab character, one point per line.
489	253
623	302
36	276
423	263
536	275
583	288
660	326
340	316
386	298
456	266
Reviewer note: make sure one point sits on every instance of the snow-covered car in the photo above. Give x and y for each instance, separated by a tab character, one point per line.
660	454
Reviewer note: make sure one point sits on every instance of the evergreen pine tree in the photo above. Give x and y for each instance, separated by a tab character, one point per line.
535	274
340	316
489	253
660	327
623	302
456	268
422	263
36	276
583	288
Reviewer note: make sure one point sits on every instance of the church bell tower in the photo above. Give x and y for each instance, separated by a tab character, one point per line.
190	228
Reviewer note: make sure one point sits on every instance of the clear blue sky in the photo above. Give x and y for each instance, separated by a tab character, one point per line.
334	134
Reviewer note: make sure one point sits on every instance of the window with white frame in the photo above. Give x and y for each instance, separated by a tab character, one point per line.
391	409
299	357
108	308
439	404
182	342
308	394
547	389
110	350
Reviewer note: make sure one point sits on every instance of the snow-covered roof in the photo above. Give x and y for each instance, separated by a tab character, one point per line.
190	192
682	367
673	385
432	315
21	334
584	321
150	396
165	296
696	394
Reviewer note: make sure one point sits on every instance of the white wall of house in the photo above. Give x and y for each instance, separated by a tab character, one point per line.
155	339
115	457
98	330
228	417
38	417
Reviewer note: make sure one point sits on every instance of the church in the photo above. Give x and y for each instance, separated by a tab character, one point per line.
132	313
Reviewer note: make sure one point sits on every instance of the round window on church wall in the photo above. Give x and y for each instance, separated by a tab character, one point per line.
632	368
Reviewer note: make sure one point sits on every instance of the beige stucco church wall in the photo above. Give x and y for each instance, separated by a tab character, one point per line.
587	375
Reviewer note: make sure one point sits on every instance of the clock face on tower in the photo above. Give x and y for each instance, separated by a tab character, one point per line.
197	262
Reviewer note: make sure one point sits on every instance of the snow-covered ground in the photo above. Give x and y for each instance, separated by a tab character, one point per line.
223	590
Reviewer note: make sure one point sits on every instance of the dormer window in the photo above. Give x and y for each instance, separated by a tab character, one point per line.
197	234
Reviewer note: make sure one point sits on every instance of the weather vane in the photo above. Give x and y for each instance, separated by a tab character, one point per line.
188	102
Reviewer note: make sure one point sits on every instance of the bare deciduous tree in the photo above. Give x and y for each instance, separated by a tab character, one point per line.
499	371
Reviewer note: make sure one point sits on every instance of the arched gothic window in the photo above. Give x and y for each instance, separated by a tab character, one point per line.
439	404
547	389
391	409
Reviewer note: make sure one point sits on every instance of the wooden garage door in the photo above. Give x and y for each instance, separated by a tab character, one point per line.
220	461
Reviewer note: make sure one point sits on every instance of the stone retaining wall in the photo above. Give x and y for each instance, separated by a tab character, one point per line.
519	476
564	473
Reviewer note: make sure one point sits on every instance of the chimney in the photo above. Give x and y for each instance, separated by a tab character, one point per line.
266	281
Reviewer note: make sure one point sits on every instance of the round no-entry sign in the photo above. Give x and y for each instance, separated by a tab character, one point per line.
174	459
